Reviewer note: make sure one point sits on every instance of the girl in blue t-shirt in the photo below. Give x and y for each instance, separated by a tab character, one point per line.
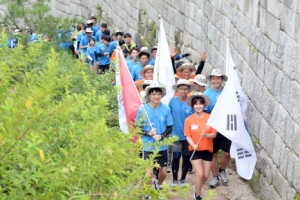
90	53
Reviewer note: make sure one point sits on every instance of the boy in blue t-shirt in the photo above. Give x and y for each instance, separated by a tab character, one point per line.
103	52
155	127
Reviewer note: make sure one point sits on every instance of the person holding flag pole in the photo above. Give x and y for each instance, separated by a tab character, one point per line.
200	139
157	126
220	142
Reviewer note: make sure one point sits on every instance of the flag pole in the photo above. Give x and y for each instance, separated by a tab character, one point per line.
198	144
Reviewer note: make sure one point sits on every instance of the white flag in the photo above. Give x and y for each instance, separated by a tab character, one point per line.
227	118
163	69
239	90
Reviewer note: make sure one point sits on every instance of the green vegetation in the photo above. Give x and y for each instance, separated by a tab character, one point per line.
153	30
58	136
297	196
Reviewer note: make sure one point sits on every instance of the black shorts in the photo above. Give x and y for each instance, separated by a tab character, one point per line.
161	159
181	146
221	142
204	155
104	67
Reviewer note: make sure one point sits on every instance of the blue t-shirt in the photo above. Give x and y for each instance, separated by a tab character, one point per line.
104	59
160	118
152	61
113	45
79	36
34	37
130	64
84	42
135	73
91	52
180	111
212	95
98	35
95	29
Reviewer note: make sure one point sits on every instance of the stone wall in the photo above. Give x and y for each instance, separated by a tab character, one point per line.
264	42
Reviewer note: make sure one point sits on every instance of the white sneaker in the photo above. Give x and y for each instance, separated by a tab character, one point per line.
174	183
214	182
223	176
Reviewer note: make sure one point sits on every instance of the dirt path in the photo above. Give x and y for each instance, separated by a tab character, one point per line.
236	189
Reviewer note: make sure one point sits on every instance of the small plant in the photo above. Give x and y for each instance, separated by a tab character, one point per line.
297	196
255	140
208	41
255	50
144	12
237	7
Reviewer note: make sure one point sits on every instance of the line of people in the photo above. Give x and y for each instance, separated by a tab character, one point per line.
186	117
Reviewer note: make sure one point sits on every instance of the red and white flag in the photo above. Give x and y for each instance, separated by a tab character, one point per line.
128	98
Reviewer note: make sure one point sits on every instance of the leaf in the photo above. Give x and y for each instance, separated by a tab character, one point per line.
42	155
28	103
115	195
85	197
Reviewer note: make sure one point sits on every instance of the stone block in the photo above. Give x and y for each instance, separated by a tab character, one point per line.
293	103
270	75
292	5
268	99
265	166
280	183
288	21
269	25
253	87
290	132
296	178
180	19
253	120
296	139
259	69
278	120
272	6
284	159
277	150
285	92
290	167
220	20
269	192
297	32
266	137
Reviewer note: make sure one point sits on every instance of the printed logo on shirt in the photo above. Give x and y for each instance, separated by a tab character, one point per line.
162	118
102	49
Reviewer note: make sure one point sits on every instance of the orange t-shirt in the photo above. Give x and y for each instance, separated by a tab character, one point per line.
137	83
193	127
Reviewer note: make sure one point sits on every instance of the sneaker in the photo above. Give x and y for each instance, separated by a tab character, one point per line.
190	170
147	197
155	185
223	176
169	169
183	182
194	191
214	182
174	183
198	197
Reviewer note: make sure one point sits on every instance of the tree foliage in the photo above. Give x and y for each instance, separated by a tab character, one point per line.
33	14
57	136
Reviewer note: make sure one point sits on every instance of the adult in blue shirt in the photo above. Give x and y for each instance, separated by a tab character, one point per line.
180	111
100	32
84	42
153	52
144	58
133	61
103	52
155	128
220	142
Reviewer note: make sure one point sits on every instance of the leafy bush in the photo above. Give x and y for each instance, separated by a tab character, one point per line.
58	134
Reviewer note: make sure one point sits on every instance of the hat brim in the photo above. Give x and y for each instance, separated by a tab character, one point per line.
192	87
190	98
140	86
199	83
225	78
191	67
163	89
144	70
